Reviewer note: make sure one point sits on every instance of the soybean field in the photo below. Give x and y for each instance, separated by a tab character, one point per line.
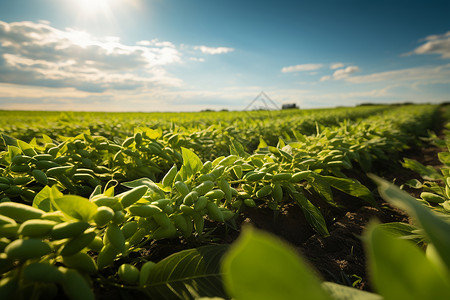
286	204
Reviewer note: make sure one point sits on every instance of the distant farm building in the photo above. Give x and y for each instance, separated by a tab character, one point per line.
289	106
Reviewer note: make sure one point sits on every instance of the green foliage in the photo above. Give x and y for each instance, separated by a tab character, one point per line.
188	274
259	266
101	190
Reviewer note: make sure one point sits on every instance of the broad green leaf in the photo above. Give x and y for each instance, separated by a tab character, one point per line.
436	228
259	266
414	183
76	207
191	162
299	137
42	200
154	192
402	230
46	139
352	187
152	133
262	143
444	157
237	149
322	187
281	143
188	274
13	151
10	141
109	188
427	173
25	146
342	292
229	160
312	213
400	270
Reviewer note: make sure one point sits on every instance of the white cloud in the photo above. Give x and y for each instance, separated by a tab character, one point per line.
341	73
197	59
41	55
214	50
428	74
344	73
336	66
435	44
301	68
156	43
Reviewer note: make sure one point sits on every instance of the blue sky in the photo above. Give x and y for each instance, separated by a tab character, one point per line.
167	55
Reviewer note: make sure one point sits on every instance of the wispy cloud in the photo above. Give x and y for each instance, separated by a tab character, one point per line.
39	54
428	74
344	73
336	66
301	68
214	50
341	73
434	44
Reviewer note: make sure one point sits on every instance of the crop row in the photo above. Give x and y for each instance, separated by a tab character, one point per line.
202	129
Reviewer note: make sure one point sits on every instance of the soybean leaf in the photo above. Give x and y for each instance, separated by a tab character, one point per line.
414	183
444	157
13	151
153	189
403	231
150	133
229	160
322	187
259	266
188	274
280	143
299	137
10	141
427	173
436	229
191	162
342	292
237	149
312	213
400	270
75	207
42	200
25	146
46	139
352	187
262	143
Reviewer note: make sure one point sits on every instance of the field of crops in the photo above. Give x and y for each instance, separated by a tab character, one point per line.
135	205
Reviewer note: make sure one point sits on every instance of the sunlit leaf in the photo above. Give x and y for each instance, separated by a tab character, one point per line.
259	266
342	292
188	274
436	229
191	162
312	213
400	270
42	200
76	207
351	187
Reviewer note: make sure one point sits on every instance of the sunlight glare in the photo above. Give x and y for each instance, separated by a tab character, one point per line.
95	7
